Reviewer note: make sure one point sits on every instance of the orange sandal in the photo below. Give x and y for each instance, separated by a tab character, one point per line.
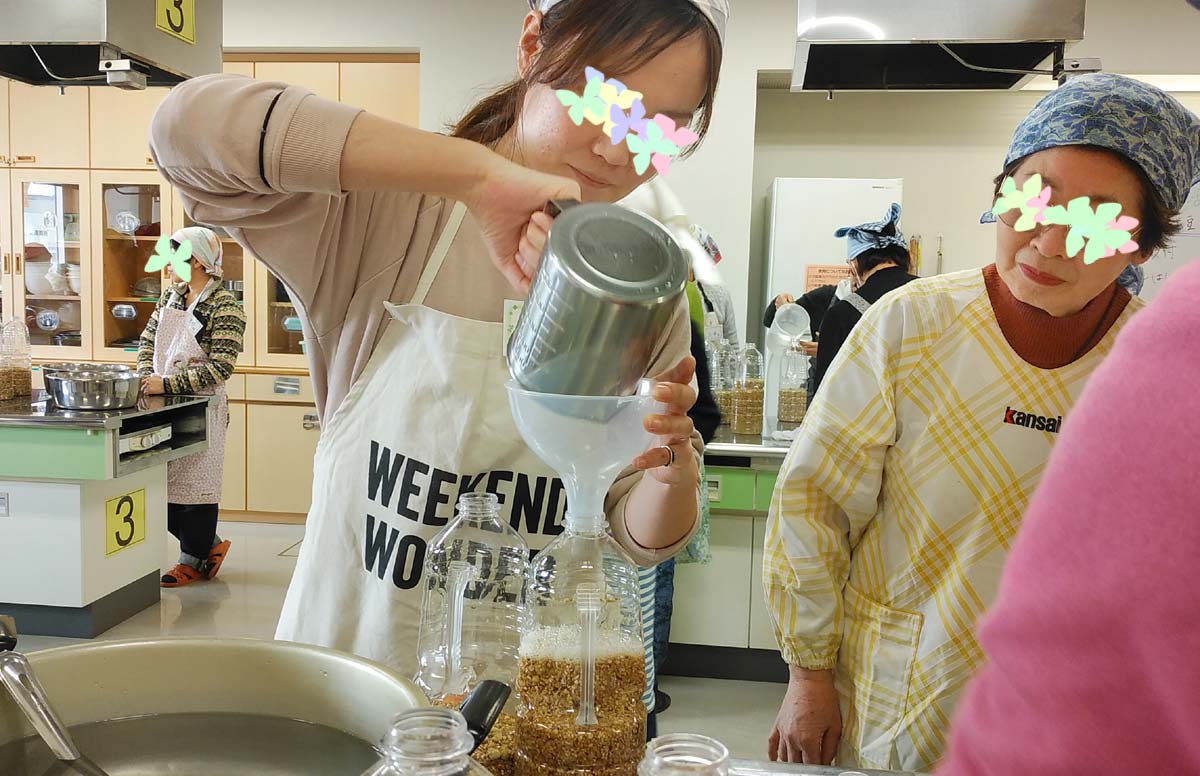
216	557
181	575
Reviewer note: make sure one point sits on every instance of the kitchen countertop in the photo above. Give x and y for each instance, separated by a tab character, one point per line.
42	412
726	443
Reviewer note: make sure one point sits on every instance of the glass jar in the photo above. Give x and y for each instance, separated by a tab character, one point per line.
7	365
748	395
427	742
685	754
582	666
793	387
473	608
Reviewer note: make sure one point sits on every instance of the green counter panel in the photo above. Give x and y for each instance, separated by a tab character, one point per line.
730	488
765	488
52	453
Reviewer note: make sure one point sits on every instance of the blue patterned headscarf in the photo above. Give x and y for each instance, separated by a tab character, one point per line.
1132	278
870	235
1135	119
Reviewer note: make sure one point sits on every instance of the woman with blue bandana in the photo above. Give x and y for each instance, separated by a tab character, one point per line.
879	262
905	486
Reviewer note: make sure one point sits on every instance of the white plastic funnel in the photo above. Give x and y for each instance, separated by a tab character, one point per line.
588	440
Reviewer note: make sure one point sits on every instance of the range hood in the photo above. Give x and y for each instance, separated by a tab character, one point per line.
884	45
126	43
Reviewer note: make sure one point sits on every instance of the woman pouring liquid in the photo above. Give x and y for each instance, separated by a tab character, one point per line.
190	346
401	249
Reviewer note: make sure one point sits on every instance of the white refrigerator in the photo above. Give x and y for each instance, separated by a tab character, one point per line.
803	213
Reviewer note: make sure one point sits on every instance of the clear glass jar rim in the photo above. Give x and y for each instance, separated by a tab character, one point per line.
686	753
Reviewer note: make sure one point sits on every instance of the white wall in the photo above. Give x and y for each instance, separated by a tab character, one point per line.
466	45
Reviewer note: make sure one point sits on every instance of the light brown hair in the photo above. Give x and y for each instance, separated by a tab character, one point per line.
612	36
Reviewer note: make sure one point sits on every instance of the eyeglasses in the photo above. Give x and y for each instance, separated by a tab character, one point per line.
1010	217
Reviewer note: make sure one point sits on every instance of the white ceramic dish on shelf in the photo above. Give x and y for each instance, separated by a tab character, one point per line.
36	282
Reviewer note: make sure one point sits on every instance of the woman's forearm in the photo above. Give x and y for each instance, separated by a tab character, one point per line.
384	155
658	515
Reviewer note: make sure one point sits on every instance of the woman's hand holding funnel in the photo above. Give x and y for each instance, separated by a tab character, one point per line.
673	461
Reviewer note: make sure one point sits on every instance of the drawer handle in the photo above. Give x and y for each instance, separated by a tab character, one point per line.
17	266
311	421
287	386
25	159
6	263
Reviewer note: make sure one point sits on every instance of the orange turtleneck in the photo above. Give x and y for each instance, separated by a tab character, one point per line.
1043	340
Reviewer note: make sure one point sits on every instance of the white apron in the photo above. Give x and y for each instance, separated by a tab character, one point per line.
427	421
197	478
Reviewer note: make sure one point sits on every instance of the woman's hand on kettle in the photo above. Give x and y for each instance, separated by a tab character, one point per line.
673	428
507	202
783	299
152	385
806	347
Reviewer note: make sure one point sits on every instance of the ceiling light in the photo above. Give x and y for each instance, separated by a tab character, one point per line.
869	28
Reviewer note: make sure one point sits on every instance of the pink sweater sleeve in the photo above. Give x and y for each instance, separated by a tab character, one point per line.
1094	642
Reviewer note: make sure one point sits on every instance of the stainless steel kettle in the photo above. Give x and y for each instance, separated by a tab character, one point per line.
607	286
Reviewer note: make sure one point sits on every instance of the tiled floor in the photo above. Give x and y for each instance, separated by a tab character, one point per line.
246	598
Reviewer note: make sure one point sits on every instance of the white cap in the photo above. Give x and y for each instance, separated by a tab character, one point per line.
717	12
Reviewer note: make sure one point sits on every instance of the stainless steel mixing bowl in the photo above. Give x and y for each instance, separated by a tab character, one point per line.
93	388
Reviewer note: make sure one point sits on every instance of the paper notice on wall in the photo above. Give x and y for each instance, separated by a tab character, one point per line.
817	275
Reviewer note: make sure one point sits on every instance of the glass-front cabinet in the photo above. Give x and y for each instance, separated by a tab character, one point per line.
280	341
239	277
7	262
132	210
52	267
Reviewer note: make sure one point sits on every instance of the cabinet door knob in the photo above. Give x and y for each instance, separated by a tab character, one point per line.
24	159
6	264
17	267
150	161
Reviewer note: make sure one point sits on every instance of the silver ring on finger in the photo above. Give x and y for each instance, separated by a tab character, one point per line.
671	460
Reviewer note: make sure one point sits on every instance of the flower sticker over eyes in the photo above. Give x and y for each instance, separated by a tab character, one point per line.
583	106
1031	199
622	116
179	260
1100	233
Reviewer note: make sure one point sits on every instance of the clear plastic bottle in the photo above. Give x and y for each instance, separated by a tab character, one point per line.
427	742
748	395
473	608
22	359
723	364
685	754
793	387
582	666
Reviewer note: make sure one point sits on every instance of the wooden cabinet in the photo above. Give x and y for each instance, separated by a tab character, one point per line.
132	210
120	121
762	629
388	89
290	389
3	121
712	600
240	68
321	77
48	129
51	222
233	492
7	262
279	340
281	441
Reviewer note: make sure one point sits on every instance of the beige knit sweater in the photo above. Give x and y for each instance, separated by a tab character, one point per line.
341	255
